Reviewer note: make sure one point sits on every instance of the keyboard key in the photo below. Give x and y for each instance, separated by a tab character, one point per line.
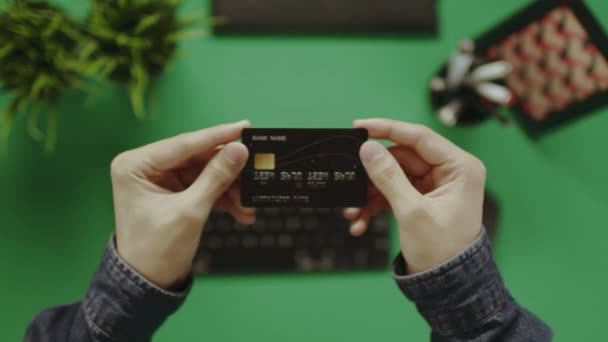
240	227
275	224
288	211
267	241
326	263
285	241
324	211
378	260
361	257
259	225
250	241
306	211
320	239
232	241
302	240
223	224
311	223
209	226
214	242
293	223
270	212
381	243
201	264
380	225
305	264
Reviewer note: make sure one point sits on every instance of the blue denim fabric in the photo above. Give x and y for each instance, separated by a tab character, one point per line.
463	299
120	305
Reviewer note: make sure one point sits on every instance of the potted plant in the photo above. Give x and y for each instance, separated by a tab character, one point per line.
43	53
136	40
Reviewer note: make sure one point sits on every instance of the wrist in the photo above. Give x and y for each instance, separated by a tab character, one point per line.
166	277
458	295
124	306
435	249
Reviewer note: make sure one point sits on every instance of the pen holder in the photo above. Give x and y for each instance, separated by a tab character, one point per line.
469	89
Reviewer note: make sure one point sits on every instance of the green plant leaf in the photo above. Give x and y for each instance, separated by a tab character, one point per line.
42	56
4	51
147	22
136	40
33	127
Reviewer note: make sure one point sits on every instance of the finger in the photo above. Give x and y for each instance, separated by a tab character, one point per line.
386	174
358	227
198	161
193	167
351	213
219	174
225	204
410	162
375	205
206	156
169	153
430	146
243	217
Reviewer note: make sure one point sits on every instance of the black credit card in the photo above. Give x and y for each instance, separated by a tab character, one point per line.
314	168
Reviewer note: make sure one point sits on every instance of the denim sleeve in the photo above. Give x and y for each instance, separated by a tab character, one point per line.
464	299
120	305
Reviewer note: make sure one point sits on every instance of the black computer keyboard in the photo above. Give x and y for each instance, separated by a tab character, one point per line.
291	240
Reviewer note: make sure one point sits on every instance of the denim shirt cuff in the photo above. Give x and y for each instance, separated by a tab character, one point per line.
122	305
459	295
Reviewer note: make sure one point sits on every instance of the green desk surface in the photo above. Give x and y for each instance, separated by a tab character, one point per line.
56	210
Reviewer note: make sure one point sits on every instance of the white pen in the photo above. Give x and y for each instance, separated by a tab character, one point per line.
494	93
459	64
489	72
449	114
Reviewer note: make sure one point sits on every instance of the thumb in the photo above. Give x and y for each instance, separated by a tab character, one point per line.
387	175
219	174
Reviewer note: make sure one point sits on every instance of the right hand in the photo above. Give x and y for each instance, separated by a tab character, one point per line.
435	190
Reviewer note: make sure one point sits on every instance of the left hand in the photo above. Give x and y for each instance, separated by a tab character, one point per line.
164	192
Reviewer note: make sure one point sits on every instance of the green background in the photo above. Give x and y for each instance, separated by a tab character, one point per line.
56	210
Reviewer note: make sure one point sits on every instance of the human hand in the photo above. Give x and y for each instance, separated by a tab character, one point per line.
164	192
435	190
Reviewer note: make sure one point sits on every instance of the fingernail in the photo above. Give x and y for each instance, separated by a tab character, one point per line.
355	228
243	123
234	154
248	211
249	221
351	212
357	122
371	151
